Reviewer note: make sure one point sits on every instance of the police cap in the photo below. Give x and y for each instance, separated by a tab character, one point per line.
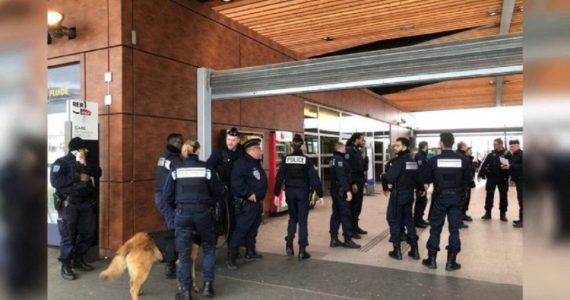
512	142
252	143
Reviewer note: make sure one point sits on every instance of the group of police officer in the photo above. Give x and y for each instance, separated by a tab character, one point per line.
187	190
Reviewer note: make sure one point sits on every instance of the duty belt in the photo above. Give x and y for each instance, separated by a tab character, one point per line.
192	205
76	200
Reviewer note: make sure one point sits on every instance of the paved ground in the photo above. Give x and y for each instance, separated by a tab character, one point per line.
491	258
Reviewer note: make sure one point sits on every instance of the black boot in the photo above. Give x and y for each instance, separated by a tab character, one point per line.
463	225
170	270
289	247
231	262
252	254
518	224
452	265
208	289
67	272
183	295
79	263
360	230
350	244
356	236
335	242
467	218
419	224
504	216
486	216
430	262
414	252
396	253
303	254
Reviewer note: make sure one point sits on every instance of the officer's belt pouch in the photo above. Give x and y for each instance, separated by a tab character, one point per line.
58	201
238	203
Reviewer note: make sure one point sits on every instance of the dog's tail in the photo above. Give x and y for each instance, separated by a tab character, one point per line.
118	264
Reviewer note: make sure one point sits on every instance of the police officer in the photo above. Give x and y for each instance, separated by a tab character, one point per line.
73	178
190	189
421	201
249	186
470	158
341	197
449	173
462	151
515	168
496	177
358	166
402	174
222	161
298	173
170	157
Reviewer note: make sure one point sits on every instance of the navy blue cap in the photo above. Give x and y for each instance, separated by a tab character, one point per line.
514	142
252	143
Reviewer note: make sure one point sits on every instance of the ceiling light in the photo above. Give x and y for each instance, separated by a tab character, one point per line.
227	1
492	13
327	38
520	8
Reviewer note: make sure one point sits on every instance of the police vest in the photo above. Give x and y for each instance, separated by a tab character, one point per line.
296	172
192	183
224	169
407	179
449	174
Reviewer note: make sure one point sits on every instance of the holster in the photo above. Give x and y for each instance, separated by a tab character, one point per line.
238	204
58	201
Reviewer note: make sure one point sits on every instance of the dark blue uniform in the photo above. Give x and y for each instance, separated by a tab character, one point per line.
248	178
222	161
358	167
189	189
76	219
516	173
496	177
298	173
421	195
402	174
340	184
163	168
450	174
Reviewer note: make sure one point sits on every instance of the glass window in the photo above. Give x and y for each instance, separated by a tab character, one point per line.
311	113
329	121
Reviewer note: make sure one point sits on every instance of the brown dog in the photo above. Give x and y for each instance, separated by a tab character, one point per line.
137	255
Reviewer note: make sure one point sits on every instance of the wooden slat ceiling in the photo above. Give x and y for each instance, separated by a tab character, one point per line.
302	25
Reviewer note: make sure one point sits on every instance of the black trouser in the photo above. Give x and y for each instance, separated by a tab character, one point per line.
399	214
341	214
77	224
356	204
420	206
503	185
520	186
467	200
446	204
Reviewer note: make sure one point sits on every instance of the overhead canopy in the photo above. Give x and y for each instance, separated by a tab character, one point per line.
487	56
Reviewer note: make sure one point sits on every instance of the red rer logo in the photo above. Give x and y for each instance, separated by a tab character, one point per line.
85	112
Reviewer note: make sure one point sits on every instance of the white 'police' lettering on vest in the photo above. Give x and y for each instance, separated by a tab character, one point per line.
449	163
193	173
295	160
410	165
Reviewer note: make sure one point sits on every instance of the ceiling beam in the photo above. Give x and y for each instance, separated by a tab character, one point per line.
506	20
481	57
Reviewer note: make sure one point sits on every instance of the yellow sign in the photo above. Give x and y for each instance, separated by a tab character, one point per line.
58	92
